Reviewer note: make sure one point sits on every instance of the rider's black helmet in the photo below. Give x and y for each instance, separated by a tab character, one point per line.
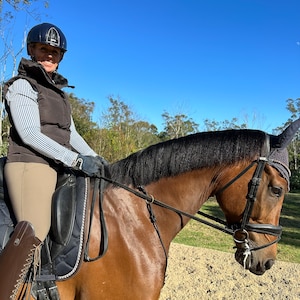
49	34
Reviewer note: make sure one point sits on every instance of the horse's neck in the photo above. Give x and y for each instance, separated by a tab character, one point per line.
194	185
186	192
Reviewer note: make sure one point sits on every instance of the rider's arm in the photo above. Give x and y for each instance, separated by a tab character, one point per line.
78	143
22	101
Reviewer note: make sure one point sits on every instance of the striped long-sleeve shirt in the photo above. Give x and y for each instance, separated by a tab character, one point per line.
23	103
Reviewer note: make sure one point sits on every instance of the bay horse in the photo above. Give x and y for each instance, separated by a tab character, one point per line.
152	194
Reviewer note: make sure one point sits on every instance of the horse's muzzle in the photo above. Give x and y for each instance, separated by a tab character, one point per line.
252	263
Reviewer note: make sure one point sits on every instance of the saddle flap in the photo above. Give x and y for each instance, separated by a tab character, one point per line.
63	209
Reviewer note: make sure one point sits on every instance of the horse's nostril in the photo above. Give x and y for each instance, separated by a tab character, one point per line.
269	264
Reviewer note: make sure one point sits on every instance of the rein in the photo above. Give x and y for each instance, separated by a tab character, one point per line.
238	231
98	186
151	199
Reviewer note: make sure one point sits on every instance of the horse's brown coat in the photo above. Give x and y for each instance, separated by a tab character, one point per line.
134	265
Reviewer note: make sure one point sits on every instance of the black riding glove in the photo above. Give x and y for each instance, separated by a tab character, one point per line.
90	165
102	161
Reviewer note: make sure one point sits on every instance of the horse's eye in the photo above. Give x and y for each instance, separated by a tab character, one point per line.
276	190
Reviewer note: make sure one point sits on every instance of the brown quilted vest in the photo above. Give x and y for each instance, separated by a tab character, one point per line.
54	108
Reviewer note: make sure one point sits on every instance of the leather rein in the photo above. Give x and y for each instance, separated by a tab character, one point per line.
240	231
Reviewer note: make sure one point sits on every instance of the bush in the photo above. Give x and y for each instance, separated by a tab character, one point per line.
295	180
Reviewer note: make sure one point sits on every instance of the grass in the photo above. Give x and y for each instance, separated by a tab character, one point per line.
200	235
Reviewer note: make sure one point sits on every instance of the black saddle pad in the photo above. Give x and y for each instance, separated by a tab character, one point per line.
69	256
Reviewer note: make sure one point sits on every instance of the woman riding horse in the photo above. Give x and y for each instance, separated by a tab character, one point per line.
43	139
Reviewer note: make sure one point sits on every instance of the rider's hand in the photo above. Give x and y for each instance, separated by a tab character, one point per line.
102	161
90	165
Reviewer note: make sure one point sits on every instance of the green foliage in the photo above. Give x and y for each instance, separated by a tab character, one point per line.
211	125
4	148
82	111
293	106
177	126
4	135
145	134
295	180
122	134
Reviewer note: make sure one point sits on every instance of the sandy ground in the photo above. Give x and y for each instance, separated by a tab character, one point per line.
199	274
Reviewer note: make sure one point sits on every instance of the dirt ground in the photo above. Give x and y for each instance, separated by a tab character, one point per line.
199	274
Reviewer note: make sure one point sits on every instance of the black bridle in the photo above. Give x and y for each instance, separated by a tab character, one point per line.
240	232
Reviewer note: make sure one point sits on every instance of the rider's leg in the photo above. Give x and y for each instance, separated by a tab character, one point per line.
30	186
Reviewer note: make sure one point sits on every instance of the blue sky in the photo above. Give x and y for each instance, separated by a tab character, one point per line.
212	59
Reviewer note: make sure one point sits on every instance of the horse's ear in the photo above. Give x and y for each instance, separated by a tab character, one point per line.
284	139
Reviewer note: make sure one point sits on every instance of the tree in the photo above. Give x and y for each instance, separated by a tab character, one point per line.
211	125
145	134
10	52
10	49
177	126
293	106
122	133
118	121
82	112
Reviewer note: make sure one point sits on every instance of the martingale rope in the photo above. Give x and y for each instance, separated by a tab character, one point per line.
166	206
153	220
247	254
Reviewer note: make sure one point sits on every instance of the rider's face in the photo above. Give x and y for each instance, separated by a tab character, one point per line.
46	55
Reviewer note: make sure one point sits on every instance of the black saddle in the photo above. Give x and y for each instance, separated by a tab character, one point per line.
67	243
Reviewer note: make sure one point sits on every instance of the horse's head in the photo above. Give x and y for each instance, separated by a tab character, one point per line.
252	200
